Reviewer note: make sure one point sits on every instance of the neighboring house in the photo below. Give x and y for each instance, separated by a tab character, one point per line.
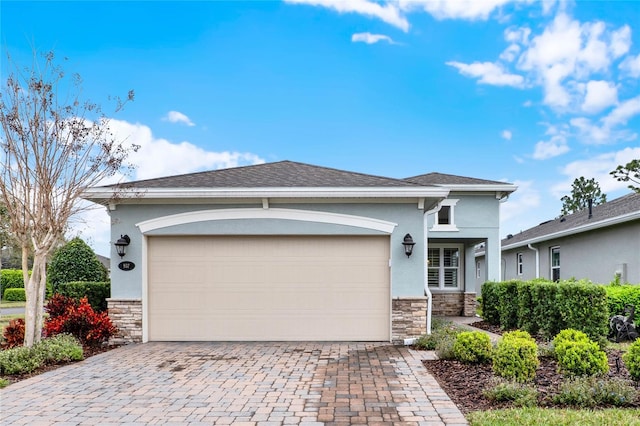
291	251
597	245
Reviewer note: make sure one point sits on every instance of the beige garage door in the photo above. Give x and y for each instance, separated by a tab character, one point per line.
269	288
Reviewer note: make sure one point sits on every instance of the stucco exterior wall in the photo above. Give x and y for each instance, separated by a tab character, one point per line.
406	273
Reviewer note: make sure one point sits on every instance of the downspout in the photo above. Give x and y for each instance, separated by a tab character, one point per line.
537	259
426	273
425	259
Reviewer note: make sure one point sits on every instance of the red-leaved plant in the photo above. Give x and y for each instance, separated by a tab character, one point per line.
77	318
14	333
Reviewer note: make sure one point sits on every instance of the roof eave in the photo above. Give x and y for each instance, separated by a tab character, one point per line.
100	194
479	187
583	228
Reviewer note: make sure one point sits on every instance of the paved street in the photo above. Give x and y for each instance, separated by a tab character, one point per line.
235	383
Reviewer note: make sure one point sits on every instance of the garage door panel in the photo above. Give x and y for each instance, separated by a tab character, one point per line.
269	288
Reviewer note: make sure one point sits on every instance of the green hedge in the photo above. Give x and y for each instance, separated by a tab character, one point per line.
618	296
15	295
10	278
545	307
97	293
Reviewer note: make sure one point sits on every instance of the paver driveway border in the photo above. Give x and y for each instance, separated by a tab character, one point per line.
204	383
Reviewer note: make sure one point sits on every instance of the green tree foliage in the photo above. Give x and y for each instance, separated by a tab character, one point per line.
630	172
581	191
75	261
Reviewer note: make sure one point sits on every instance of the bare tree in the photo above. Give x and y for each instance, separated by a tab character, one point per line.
54	146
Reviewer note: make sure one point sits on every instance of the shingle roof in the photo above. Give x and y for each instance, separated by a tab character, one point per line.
279	174
445	179
618	207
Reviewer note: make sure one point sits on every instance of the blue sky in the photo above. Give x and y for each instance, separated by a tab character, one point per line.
533	93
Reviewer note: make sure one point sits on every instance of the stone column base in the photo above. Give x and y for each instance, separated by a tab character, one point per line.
126	314
454	304
409	318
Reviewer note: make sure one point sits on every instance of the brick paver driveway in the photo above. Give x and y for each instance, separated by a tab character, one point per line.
239	383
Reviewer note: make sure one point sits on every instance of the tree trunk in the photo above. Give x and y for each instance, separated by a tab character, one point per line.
34	287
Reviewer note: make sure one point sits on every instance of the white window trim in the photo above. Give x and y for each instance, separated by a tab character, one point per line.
441	286
551	267
519	263
451	203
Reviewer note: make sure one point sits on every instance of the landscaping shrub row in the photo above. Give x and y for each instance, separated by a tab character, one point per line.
619	296
10	278
544	307
15	295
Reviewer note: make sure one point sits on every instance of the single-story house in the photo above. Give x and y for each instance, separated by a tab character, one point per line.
291	251
596	244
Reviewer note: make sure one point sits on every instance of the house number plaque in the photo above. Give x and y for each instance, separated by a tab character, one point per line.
126	265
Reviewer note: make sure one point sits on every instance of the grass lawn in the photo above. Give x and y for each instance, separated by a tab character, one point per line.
5	304
540	416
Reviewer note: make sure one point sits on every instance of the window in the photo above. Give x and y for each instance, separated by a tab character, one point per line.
555	263
444	219
478	269
519	263
444	267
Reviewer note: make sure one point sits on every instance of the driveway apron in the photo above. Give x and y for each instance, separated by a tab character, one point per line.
205	383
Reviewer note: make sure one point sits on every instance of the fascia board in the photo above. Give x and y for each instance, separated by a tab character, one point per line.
577	230
481	188
321	192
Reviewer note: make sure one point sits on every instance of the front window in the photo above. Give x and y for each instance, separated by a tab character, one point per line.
519	263
478	270
444	267
555	263
444	219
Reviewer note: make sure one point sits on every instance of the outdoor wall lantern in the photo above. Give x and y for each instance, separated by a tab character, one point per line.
123	242
408	245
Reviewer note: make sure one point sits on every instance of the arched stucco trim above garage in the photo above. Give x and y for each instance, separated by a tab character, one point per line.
259	213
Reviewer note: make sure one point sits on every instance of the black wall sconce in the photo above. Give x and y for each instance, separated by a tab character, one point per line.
122	242
408	245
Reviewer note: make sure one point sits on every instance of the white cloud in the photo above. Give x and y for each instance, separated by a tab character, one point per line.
178	117
488	73
623	113
388	12
620	41
525	199
506	134
370	38
160	157
455	9
566	54
598	168
554	147
631	65
155	158
599	95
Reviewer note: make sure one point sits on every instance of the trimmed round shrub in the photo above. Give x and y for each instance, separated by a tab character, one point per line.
516	357
632	360
568	335
15	295
75	261
472	347
581	358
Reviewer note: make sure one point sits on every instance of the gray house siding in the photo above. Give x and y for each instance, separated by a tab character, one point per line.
596	255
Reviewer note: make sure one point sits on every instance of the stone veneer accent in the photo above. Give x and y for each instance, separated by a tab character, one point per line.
409	318
126	314
454	304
